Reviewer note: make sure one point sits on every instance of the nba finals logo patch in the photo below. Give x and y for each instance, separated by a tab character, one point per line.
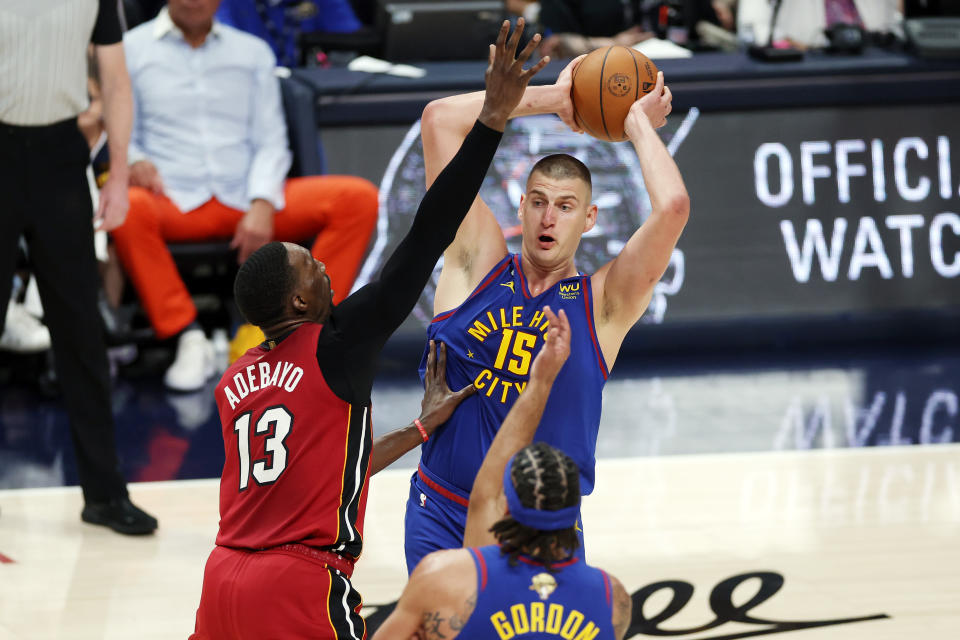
570	290
544	584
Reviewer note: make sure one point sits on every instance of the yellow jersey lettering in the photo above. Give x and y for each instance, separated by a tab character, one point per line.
544	326
499	620
479	330
572	625
554	618
536	319
493	386
520	622
504	347
493	321
520	387
536	617
516	320
521	349
503	318
589	632
506	388
485	374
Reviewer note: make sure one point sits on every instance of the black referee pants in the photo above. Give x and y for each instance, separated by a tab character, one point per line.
46	198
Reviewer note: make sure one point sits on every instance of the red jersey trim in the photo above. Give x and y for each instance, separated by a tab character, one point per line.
555	565
606	584
588	303
446	493
523	280
481	567
483	285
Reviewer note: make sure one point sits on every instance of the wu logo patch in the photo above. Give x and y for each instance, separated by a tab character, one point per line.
508	285
570	290
544	584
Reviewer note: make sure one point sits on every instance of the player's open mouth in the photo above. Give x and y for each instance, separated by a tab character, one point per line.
546	241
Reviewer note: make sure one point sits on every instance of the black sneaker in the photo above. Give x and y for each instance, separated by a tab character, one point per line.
121	515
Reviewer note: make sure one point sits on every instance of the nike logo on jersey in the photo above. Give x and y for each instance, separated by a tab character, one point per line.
508	285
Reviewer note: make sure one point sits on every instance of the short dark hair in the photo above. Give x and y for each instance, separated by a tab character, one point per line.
546	479
561	166
263	284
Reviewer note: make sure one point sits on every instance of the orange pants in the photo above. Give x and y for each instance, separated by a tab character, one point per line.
341	211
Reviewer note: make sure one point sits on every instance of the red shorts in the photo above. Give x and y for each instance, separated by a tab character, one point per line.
275	594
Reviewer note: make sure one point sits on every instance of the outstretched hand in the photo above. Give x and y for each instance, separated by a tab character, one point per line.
555	350
438	400
506	78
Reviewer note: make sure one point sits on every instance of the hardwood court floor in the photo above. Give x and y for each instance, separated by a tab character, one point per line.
851	533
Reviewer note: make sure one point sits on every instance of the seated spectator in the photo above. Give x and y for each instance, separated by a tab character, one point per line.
580	26
802	23
208	159
280	22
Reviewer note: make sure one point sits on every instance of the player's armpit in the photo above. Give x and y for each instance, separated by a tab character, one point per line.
479	245
623	287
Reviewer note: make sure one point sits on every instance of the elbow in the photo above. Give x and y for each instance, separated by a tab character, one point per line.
433	115
678	207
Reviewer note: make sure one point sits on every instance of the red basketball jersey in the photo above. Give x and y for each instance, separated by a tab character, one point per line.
296	455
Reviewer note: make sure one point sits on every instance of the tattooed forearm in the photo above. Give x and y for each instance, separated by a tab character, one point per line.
431	625
457	621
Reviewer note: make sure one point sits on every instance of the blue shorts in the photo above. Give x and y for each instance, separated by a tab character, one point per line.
437	516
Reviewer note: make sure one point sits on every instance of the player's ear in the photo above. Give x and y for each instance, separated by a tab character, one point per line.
299	304
523	197
592	212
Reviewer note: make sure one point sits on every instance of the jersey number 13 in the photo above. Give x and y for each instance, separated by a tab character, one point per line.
275	421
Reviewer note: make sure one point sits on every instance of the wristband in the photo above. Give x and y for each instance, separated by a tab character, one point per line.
419	426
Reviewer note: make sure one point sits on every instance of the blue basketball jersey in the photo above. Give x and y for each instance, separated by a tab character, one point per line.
492	339
526	600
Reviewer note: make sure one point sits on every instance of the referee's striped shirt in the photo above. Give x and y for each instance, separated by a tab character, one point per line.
43	47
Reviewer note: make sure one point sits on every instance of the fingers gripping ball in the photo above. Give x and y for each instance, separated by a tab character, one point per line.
605	84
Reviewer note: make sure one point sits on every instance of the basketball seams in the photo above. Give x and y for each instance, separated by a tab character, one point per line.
603	118
589	107
636	74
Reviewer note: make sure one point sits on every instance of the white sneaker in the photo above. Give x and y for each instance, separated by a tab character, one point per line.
22	332
194	364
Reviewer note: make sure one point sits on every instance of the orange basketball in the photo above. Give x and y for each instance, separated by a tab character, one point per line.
605	84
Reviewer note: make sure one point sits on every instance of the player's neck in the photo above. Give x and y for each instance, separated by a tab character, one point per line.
282	328
541	277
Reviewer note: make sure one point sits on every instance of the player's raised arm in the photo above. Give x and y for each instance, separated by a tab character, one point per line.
386	302
479	243
625	285
515	433
436	407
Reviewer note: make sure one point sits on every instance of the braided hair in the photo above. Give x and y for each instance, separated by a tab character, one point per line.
263	284
546	479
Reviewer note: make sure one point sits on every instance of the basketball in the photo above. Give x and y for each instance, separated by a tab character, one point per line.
605	84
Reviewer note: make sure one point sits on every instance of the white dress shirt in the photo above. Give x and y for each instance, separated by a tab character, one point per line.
209	118
804	20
